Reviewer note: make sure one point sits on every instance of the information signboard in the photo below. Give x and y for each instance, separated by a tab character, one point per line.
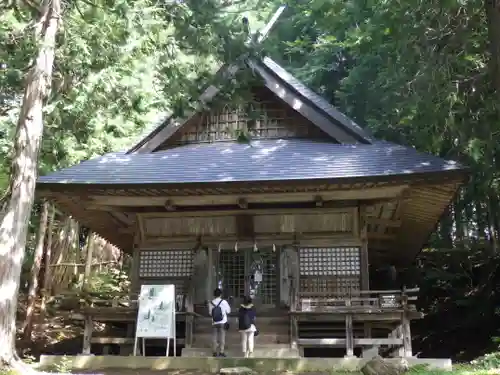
156	315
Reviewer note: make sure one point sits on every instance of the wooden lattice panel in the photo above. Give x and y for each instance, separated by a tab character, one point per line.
330	270
165	263
336	285
339	261
264	117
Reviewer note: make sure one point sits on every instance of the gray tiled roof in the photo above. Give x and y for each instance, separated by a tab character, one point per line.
264	160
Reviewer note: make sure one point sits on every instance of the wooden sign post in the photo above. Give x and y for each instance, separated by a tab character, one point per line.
156	315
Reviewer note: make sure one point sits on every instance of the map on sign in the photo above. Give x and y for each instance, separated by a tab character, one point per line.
156	316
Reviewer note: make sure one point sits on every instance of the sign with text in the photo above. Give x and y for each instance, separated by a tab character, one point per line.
156	316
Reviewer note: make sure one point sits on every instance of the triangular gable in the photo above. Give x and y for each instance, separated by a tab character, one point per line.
264	116
284	86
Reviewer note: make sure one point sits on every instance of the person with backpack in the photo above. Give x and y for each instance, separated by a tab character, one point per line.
246	326
219	309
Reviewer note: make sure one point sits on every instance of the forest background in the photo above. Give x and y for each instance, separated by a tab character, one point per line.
420	73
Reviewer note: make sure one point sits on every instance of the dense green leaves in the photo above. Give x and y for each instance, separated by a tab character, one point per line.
119	65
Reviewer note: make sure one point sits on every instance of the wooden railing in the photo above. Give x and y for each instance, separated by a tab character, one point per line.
396	304
122	307
360	300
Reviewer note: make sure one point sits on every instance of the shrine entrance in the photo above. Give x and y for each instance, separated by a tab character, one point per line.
248	272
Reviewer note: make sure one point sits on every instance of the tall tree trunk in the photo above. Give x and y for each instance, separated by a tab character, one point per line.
480	220
48	261
492	9
459	222
491	225
445	230
19	202
35	272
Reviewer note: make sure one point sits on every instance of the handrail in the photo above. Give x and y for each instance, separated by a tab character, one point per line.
379	299
360	292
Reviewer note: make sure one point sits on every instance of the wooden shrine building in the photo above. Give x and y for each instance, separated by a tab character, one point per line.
299	216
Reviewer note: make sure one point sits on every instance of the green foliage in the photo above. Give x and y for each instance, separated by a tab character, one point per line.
119	64
107	283
488	361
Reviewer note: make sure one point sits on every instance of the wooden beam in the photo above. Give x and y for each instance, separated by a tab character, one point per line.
123	218
226	242
212	212
384	222
207	200
381	236
337	237
357	342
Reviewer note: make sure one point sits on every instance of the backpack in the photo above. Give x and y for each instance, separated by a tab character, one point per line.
244	320
217	315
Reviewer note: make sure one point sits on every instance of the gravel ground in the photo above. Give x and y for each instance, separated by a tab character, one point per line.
143	372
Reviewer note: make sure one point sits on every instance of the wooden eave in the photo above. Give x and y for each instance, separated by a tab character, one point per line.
233	187
399	238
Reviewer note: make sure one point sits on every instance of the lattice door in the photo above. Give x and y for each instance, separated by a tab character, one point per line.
230	266
264	261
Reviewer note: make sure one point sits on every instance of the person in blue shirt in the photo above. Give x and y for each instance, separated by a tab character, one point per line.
246	325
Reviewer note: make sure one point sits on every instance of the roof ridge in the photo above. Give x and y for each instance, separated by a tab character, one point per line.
332	117
318	100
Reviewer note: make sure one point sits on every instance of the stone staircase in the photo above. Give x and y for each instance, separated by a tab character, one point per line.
260	351
273	340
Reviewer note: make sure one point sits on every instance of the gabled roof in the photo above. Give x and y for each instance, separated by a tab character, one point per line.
263	160
285	86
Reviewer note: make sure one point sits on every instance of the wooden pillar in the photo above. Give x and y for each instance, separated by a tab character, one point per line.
135	286
189	301
294	332
405	325
294	297
365	264
134	280
365	276
87	335
397	333
349	332
408	351
211	287
294	324
88	260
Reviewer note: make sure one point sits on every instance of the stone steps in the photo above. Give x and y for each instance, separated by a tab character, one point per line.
260	351
204	340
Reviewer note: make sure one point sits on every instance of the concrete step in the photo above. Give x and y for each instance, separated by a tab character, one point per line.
260	351
264	321
204	340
